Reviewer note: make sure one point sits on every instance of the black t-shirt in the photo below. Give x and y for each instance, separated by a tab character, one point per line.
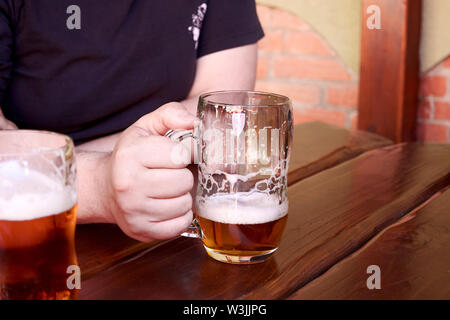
91	68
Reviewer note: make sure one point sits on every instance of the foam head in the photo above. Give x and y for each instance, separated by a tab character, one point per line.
242	207
28	194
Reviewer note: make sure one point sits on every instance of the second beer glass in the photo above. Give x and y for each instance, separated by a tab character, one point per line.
38	196
241	204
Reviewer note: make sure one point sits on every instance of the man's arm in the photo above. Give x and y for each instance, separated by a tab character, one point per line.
224	70
6	124
94	194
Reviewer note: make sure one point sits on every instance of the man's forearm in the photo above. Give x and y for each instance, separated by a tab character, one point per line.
103	144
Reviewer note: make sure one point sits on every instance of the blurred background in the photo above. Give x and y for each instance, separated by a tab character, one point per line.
312	53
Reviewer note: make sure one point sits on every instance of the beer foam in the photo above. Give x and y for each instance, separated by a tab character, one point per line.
28	194
242	207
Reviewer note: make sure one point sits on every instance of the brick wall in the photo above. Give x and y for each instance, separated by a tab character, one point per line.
433	119
296	61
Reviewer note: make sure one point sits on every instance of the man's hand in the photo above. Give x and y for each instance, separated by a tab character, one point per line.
150	194
5	124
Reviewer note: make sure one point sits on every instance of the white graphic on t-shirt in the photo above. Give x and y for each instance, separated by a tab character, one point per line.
197	20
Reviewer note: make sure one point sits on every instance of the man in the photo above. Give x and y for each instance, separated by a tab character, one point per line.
90	69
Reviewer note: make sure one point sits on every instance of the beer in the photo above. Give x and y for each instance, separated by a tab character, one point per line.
37	225
242	224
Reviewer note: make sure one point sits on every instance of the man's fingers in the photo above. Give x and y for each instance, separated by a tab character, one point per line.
170	182
172	115
161	152
146	231
167	209
171	228
153	152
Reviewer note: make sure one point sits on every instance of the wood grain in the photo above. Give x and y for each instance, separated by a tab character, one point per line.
100	246
332	214
316	146
413	256
389	75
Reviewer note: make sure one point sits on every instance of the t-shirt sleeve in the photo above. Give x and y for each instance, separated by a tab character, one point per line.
6	45
229	24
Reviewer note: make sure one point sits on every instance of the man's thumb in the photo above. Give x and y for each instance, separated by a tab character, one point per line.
172	115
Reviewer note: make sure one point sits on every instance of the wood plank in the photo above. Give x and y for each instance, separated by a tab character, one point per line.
389	77
317	146
331	215
413	257
99	246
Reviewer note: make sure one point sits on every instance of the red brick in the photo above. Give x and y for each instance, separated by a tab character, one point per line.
354	122
293	67
442	110
264	15
328	116
262	68
272	41
287	20
424	109
447	62
297	92
433	86
431	132
345	96
305	43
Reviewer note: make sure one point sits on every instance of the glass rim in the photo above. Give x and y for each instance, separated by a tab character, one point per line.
285	100
67	148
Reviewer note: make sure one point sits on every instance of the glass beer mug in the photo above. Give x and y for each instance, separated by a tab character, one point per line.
243	148
38	199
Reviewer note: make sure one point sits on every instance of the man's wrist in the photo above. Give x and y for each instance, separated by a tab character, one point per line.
103	144
95	197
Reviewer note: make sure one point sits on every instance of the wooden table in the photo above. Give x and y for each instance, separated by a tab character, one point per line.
356	200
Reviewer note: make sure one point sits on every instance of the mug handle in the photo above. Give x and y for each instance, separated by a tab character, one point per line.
194	230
